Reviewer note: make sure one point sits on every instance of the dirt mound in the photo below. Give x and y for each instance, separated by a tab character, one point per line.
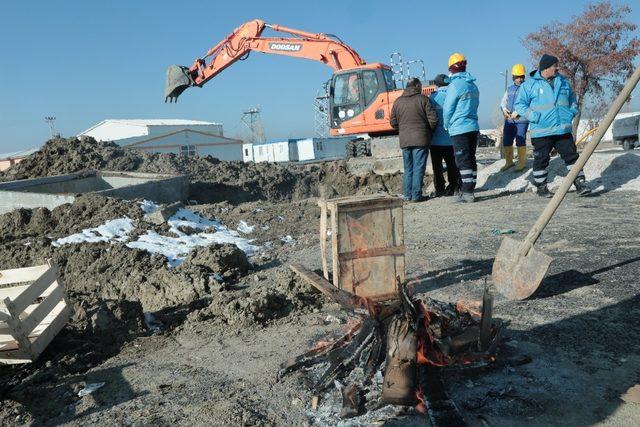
261	302
224	261
335	180
86	211
123	273
211	180
111	317
114	271
67	155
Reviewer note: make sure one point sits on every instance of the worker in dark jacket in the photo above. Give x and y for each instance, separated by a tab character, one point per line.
416	120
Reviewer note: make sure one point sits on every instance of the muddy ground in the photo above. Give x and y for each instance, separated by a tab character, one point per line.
212	354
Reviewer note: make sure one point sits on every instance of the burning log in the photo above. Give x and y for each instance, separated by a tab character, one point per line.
400	376
411	339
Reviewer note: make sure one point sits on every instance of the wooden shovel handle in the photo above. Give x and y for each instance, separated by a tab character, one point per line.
551	208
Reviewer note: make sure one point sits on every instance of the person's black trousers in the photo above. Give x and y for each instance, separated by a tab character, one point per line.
464	146
541	153
438	154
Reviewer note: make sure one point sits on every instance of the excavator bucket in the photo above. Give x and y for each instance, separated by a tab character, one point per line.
178	79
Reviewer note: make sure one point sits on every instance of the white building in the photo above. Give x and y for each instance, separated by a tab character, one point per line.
247	152
275	151
321	148
9	159
292	150
188	137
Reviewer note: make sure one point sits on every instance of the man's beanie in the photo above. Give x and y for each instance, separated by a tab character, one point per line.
547	61
441	80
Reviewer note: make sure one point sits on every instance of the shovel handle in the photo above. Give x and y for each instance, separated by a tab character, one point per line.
551	208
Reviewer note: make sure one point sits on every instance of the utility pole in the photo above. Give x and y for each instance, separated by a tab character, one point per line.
321	112
505	73
251	119
51	120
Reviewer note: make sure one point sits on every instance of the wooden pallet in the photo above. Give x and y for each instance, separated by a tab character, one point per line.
367	244
32	314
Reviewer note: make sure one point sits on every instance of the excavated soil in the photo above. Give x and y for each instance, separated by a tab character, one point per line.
212	180
88	210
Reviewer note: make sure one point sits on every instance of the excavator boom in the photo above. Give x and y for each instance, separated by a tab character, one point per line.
248	37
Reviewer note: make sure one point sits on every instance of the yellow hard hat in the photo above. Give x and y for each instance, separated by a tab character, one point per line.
518	70
455	58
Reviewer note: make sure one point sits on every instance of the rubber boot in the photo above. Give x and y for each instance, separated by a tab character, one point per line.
543	191
522	159
581	187
466	198
508	157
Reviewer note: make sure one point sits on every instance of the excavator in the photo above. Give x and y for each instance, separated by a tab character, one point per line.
360	95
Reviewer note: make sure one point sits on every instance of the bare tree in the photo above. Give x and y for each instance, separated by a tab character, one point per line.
596	51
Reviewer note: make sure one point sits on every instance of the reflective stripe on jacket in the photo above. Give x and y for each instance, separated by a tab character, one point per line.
440	136
460	109
550	110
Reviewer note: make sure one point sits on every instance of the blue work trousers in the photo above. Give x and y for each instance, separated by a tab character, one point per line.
415	161
517	131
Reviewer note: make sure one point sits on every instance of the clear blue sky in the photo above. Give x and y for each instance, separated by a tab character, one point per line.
85	61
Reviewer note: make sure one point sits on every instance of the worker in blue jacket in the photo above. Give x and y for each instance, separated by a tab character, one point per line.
460	117
515	127
548	102
442	146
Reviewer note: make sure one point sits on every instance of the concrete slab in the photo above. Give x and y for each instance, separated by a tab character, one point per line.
54	191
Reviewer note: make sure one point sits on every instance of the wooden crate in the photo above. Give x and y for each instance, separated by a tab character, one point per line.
32	314
367	244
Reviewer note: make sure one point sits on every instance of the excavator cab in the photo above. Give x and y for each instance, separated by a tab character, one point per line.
178	79
360	98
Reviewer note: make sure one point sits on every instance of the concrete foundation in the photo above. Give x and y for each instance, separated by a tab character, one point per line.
387	156
53	191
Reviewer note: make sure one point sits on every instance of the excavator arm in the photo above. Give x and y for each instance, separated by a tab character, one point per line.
248	37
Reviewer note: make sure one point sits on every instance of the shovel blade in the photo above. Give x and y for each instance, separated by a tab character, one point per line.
178	79
518	277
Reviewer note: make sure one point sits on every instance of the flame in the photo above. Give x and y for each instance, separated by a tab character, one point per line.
421	406
427	352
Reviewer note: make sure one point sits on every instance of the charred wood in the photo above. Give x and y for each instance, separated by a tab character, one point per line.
441	410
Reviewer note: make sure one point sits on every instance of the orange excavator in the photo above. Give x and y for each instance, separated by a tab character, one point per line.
360	95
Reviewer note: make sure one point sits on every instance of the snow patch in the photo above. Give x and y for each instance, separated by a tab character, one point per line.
176	248
245	228
148	206
115	229
173	248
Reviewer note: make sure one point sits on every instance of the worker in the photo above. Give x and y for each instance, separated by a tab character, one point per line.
353	94
441	146
548	102
416	119
515	126
460	119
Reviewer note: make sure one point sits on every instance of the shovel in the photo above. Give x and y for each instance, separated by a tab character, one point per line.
519	268
178	80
